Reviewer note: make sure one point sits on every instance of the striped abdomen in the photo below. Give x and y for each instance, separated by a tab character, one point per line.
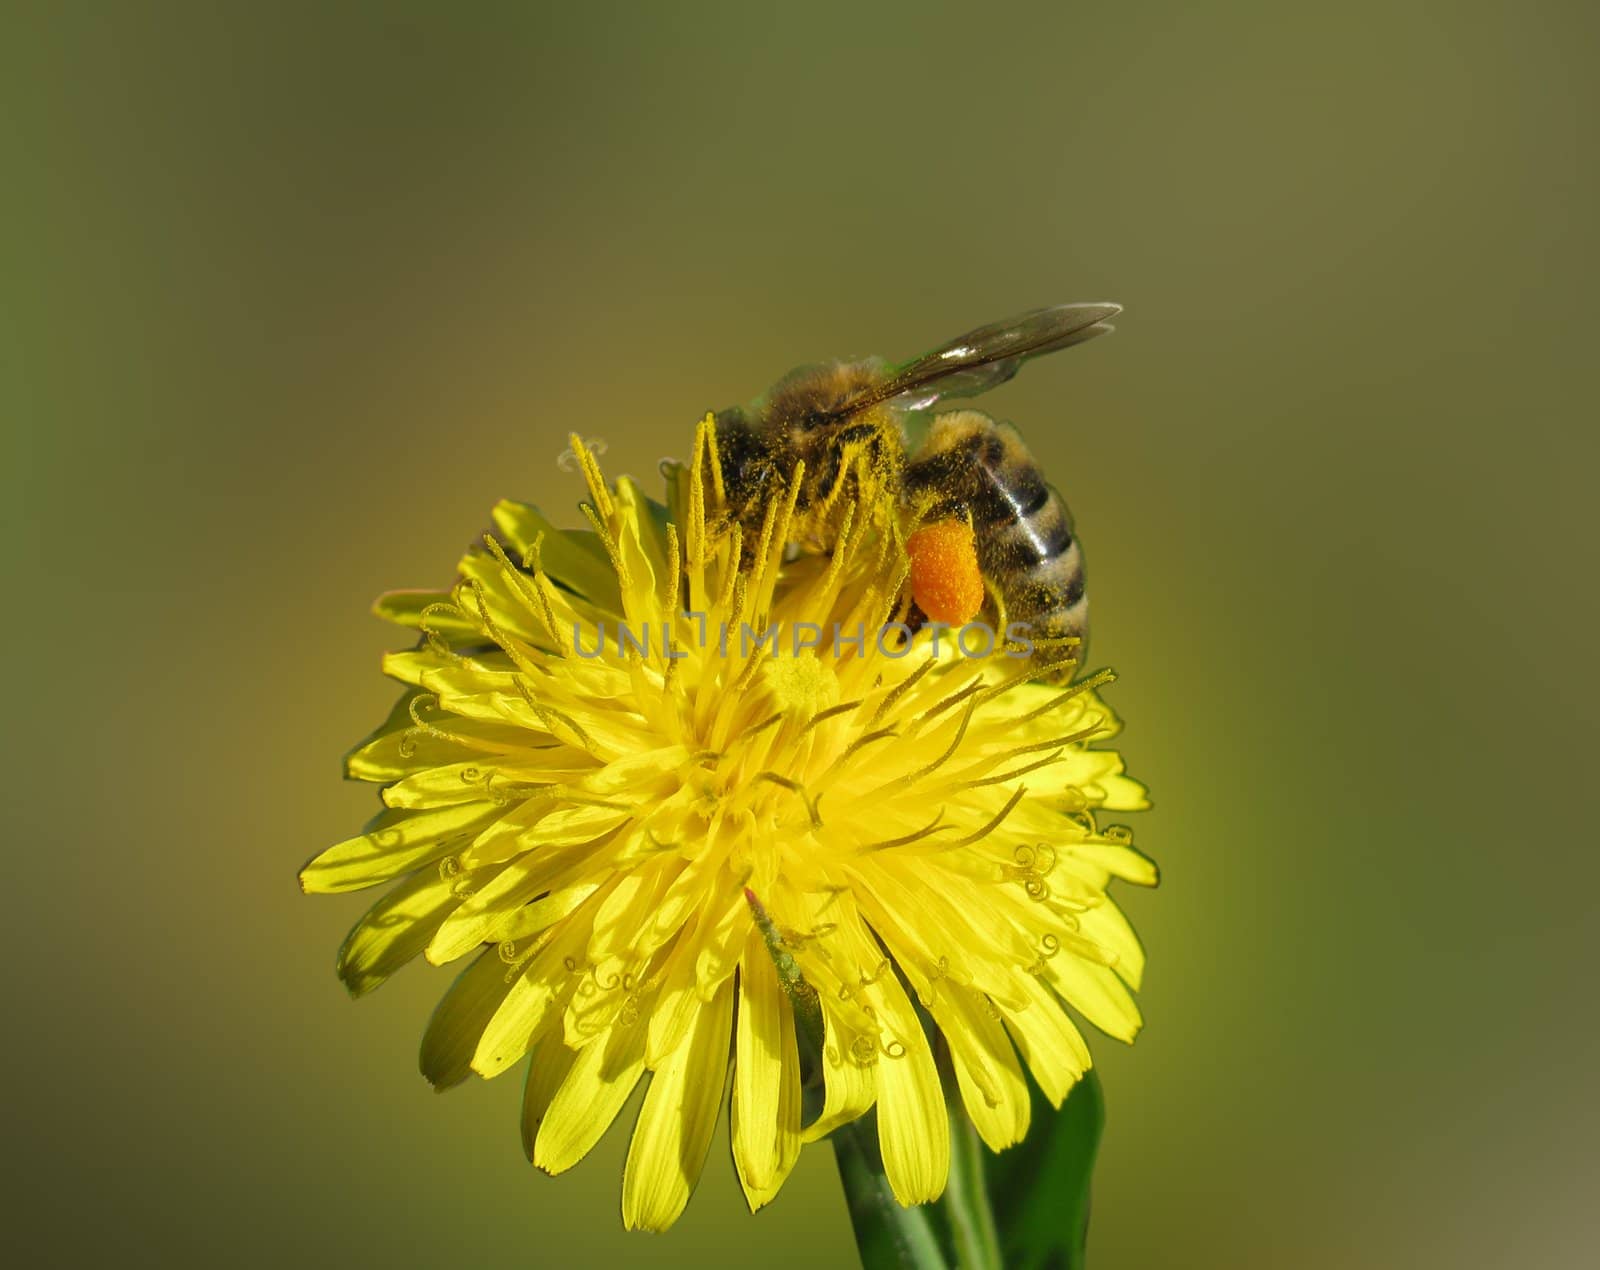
972	465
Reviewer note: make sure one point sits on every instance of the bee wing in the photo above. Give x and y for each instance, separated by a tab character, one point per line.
988	356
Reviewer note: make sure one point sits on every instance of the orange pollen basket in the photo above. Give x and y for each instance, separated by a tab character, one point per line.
945	581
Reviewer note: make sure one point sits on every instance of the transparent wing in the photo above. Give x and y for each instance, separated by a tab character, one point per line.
988	356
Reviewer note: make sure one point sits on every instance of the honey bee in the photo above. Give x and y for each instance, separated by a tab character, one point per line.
841	427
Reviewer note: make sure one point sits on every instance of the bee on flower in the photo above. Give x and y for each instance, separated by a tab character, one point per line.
841	862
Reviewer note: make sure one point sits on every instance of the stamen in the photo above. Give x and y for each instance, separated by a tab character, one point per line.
876	605
543	587
941	971
770	561
878	971
1032	669
1058	641
1013	773
844	707
732	578
844	547
979	834
1093	681
510	644
624	579
929	769
673	580
954	698
1030	872
592	474
709	424
764	543
1055	742
428	729
932	827
547	713
750	732
414	706
900	690
860	743
1028	857
697	501
795	787
799	938
535	599
451	867
436	639
1049	946
439	647
531	558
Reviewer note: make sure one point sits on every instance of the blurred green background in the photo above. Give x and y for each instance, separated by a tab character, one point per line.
292	293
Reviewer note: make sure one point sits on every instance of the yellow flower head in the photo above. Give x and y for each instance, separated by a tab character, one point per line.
669	793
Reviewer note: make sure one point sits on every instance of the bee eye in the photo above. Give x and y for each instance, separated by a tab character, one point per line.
811	421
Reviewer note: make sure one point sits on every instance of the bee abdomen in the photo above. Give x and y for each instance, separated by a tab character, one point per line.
1009	497
1043	580
1034	557
1027	547
1030	539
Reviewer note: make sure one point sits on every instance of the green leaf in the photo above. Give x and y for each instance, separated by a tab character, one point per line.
1031	1200
1024	1209
888	1237
1039	1189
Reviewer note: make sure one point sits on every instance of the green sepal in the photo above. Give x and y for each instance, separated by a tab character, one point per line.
1039	1189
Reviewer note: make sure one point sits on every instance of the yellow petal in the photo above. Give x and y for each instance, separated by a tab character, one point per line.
395	842
676	1007
675	1125
1050	1044
533	1000
621	920
850	1085
399	749
652	520
566	827
766	1079
1107	927
722	937
543	913
988	1074
574	559
459	1018
444	785
596	1086
548	1064
1123	793
1117	860
913	1124
390	730
640	600
407	608
395	930
490	912
411	665
1096	993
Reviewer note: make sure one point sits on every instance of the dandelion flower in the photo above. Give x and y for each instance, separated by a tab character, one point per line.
672	799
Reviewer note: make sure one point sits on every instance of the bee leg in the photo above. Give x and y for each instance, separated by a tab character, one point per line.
999	601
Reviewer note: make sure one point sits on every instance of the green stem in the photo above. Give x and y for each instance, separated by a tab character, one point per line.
888	1236
966	1199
